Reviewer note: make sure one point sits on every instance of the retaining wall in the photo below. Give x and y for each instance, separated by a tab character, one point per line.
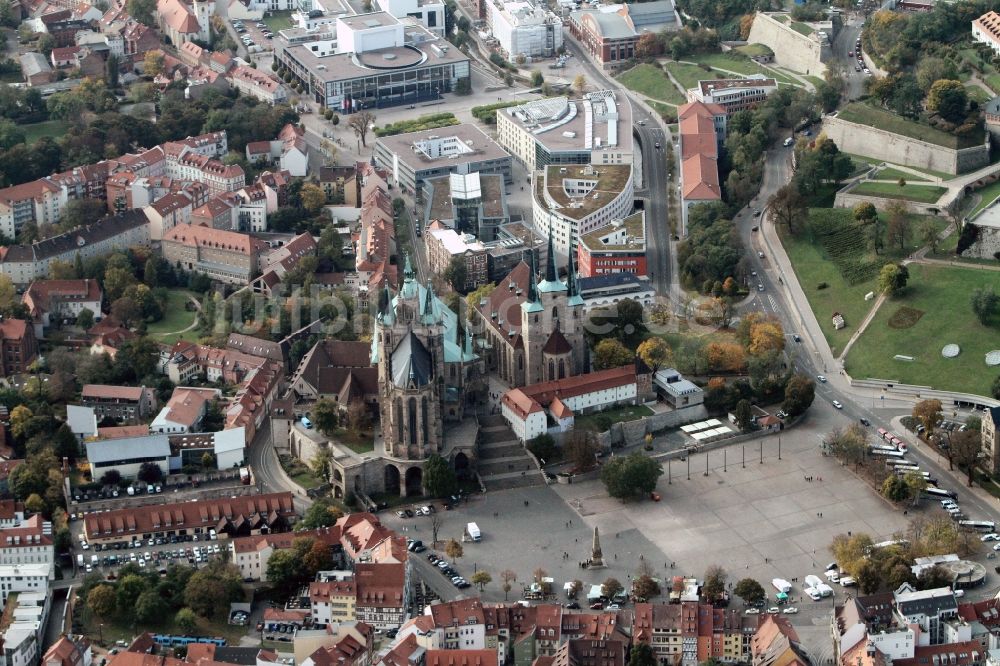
883	145
947	398
846	198
987	243
792	49
631	433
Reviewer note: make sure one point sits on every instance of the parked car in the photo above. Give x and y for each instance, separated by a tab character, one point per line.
836	403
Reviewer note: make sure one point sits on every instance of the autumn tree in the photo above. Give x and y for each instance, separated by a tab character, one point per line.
580	448
580	84
655	352
928	412
965	450
725	357
610	587
899	223
102	600
313	197
360	123
482	578
507	577
645	587
152	63
715	582
949	99
648	46
788	207
610	353
746	23
766	336
454	550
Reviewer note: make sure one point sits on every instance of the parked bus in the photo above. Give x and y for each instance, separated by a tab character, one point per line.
981	525
891	438
888	453
926	475
902	462
881	447
940	492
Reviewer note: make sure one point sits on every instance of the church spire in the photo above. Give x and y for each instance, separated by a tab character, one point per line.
388	313
550	268
551	282
571	288
531	302
428	309
407	269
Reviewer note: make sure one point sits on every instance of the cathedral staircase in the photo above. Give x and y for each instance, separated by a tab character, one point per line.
503	462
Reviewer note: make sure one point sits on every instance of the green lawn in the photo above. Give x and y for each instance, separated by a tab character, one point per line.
993	81
988	194
52	128
666	111
829	231
815	80
941	293
614	415
300	472
890	173
689	75
920	193
733	62
123	629
175	318
754	50
978	94
865	114
651	81
278	20
359	442
781	18
801	28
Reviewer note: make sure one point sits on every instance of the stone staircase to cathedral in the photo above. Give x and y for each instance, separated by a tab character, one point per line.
503	462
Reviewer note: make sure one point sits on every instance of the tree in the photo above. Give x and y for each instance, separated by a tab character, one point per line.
949	99
152	63
186	620
929	235
788	206
655	352
799	394
150	473
35	503
965	449
319	514
284	570
85	319
482	578
631	477
892	279
917	484
899	223
766	336
454	550
318	558
869	577
360	123
313	198
715	582
928	412
150	606
128	590
212	589
895	488
931	69
19	418
325	415
985	304
648	46
508	577
320	463
457	274
610	353
101	600
744	415
610	587
750	591
580	448
934	577
580	84
439	477
642	653
537	79
645	587
127	311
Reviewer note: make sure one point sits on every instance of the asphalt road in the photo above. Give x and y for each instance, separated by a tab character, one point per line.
655	182
842	46
267	470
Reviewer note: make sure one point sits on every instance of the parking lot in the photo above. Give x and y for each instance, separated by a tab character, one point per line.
194	550
254	35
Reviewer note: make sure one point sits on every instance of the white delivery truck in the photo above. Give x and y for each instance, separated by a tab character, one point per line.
473	531
824	590
79	560
813	581
781	585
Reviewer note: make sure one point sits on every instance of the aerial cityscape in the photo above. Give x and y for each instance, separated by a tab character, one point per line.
499	333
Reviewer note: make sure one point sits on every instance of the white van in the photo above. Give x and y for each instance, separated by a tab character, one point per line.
789	141
306	423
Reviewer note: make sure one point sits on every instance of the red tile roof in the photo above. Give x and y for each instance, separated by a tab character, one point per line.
461	658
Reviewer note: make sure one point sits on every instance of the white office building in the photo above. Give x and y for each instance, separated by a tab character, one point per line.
523	29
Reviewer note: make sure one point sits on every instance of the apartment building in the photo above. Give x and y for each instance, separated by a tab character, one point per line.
226	256
18	346
618	247
122	403
734	95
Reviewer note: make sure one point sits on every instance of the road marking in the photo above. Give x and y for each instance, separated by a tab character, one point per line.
774	306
